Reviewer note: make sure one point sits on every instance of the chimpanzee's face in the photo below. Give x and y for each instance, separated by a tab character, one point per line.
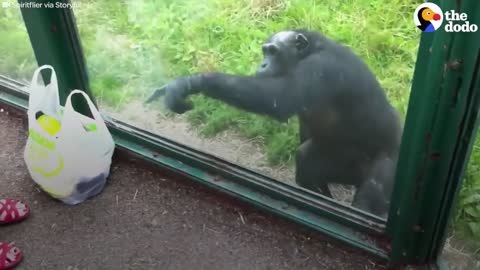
281	53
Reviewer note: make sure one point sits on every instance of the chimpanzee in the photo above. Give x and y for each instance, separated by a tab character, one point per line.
347	126
374	194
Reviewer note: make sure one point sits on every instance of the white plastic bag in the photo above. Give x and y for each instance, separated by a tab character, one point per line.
73	163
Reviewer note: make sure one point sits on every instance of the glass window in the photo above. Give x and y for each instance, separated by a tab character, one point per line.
133	47
461	250
17	60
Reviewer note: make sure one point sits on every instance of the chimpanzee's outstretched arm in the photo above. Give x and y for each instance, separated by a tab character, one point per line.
273	96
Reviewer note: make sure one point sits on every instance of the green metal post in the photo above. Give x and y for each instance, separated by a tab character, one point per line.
438	136
54	38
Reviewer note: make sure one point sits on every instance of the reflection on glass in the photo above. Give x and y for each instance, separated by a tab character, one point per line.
133	47
17	60
462	248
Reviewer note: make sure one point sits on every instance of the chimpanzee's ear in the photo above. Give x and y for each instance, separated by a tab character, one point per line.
301	42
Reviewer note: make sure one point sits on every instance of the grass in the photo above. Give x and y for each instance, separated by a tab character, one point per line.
133	46
149	38
17	59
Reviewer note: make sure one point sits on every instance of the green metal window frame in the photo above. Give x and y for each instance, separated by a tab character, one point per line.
439	133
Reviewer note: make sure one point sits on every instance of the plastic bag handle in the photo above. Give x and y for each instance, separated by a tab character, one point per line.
95	113
53	80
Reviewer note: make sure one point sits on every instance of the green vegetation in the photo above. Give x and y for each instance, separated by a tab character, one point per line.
467	219
16	58
173	38
133	46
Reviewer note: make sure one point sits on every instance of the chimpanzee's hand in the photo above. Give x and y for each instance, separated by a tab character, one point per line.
176	93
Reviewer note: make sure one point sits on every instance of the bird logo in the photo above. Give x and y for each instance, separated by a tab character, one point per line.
428	17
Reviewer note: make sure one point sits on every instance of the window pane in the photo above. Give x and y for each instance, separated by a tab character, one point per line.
17	60
133	47
462	248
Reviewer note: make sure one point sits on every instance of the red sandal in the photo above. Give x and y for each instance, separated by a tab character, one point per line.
10	256
12	211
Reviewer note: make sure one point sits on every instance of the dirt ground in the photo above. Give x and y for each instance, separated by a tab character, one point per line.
248	153
148	219
227	145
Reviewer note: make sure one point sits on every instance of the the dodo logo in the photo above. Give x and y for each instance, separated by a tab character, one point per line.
428	17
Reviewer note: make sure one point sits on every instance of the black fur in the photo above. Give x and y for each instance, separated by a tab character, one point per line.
157	94
346	121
